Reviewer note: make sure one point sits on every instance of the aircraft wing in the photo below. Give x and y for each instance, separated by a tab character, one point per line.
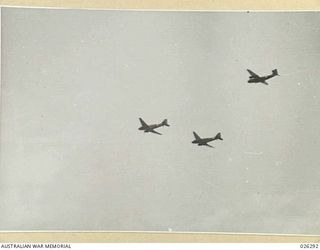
196	136
264	82
145	125
155	132
209	146
253	74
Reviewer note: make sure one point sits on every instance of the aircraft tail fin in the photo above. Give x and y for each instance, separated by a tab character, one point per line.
165	123
218	137
275	72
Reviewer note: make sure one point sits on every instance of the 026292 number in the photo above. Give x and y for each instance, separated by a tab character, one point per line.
309	246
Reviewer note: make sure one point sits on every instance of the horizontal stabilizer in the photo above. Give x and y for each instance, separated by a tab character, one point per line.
218	137
165	123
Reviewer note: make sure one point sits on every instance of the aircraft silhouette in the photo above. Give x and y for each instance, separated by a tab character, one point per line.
254	78
204	141
151	128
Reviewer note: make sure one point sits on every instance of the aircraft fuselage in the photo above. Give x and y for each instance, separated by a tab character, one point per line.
203	141
151	127
260	79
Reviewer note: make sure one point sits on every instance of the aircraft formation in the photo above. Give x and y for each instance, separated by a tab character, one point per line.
150	128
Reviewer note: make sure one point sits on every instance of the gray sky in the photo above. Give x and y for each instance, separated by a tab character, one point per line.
75	82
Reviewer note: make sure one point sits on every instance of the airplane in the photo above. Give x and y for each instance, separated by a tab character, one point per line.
254	78
204	141
151	128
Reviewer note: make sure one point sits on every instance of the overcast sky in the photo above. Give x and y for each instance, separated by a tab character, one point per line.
75	82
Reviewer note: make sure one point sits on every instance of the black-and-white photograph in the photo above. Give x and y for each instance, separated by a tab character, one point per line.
160	121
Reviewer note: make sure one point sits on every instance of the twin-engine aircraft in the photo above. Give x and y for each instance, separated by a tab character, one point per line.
204	141
151	128
254	78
